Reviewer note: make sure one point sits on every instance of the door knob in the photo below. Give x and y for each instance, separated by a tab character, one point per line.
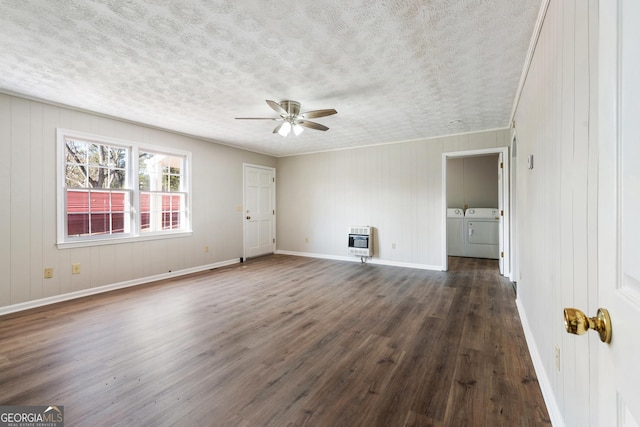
248	217
576	322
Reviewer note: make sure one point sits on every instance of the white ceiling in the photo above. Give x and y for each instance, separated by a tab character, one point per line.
395	70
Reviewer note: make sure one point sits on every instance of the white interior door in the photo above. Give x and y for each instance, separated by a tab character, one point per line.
619	205
259	211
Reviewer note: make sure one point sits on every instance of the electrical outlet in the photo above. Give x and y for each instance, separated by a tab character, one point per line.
48	273
306	240
75	268
557	351
206	248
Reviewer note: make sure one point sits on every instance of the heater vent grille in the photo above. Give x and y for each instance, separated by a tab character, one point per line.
360	241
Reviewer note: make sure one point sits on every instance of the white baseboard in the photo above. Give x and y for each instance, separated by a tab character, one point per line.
369	260
543	379
106	288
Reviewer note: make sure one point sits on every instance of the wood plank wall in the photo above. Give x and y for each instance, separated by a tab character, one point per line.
557	204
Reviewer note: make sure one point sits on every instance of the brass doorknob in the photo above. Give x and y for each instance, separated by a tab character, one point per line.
576	322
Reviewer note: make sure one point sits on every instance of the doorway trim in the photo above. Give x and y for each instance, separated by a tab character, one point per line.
506	221
513	228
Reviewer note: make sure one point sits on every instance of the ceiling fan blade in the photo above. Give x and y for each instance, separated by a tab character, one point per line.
277	129
318	113
277	107
258	118
312	125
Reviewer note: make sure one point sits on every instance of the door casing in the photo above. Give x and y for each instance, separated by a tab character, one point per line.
506	218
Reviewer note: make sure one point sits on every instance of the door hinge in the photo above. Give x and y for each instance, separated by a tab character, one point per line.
274	240
501	213
273	179
274	211
501	165
501	254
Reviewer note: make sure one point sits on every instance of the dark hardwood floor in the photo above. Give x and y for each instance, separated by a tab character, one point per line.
282	341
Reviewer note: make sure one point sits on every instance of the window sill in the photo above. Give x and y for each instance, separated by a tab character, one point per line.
124	240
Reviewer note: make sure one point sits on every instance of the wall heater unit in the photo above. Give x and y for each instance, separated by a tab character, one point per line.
361	241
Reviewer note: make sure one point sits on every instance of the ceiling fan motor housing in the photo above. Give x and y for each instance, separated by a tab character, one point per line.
292	107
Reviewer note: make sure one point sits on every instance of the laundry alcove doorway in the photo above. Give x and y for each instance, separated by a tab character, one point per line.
493	189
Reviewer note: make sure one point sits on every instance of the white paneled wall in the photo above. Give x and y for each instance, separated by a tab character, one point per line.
556	202
396	188
28	198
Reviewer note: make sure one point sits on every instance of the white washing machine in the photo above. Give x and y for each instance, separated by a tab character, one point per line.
482	233
455	232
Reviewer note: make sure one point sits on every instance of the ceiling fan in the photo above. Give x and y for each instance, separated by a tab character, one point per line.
291	117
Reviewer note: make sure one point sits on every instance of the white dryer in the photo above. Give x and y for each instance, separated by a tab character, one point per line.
482	233
455	232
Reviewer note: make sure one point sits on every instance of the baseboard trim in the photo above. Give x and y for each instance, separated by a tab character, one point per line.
369	260
543	379
14	308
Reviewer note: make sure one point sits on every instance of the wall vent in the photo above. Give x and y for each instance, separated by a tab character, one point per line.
360	241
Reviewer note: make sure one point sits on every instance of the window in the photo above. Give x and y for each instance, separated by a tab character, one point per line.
111	189
162	203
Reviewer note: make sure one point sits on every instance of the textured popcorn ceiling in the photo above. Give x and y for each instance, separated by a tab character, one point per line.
395	70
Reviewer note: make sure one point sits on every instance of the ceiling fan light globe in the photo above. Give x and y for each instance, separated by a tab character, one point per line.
285	129
297	129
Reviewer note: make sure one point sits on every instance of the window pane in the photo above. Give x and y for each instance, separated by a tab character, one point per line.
161	211
75	152
100	202
94	176
145	205
117	223
171	179
75	177
117	157
96	156
175	183
77	224
100	223
144	182
176	202
143	172
117	178
160	172
77	201
148	212
119	202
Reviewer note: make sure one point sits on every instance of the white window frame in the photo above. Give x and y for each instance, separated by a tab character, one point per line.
135	234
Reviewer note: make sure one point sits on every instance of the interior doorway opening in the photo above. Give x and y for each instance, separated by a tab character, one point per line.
497	195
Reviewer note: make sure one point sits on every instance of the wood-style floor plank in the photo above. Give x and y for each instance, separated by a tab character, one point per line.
282	341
